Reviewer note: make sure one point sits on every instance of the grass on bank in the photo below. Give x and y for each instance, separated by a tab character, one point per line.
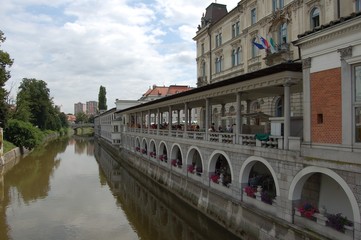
8	146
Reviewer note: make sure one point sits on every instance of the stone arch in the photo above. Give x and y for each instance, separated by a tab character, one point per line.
137	143
152	148
174	155
163	151
189	157
144	146
301	177
247	167
213	161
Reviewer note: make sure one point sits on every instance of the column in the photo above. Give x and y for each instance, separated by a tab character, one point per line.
141	121
238	117
158	121
287	116
185	117
207	125
346	86
223	113
190	116
306	65
148	120
178	116
248	110
170	117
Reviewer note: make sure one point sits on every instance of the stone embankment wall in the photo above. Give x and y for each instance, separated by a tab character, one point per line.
236	216
12	155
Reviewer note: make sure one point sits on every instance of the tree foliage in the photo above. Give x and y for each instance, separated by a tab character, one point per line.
5	62
34	105
23	134
102	99
81	117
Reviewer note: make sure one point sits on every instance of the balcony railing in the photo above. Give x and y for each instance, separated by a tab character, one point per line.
253	140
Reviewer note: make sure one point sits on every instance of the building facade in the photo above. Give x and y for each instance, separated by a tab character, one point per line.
299	177
79	108
228	44
91	107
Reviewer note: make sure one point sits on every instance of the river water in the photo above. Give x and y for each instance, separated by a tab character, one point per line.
74	189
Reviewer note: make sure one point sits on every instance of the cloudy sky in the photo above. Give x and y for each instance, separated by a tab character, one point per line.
76	46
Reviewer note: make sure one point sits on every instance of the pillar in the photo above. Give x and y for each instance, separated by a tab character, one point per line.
287	115
306	65
170	117
185	116
347	111
238	117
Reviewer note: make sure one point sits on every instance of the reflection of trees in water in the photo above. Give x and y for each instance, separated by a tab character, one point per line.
154	213
37	168
84	145
31	177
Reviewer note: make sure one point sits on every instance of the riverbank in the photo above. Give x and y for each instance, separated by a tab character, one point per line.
11	158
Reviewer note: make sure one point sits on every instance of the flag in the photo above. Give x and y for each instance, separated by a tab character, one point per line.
272	45
264	43
260	46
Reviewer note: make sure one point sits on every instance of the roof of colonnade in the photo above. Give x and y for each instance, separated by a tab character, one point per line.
263	83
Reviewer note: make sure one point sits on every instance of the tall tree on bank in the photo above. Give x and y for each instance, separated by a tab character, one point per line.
5	61
102	99
34	105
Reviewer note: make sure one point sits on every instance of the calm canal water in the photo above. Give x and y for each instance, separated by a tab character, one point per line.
73	189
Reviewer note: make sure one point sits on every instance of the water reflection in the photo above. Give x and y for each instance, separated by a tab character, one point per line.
154	213
29	179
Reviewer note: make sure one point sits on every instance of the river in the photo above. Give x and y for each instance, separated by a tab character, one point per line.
73	189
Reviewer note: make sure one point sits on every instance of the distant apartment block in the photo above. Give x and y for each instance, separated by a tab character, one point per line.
91	107
79	108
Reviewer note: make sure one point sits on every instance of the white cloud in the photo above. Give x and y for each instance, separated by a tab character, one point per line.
126	46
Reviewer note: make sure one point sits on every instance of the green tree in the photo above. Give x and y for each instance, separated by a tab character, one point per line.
23	134
5	61
102	98
81	117
35	105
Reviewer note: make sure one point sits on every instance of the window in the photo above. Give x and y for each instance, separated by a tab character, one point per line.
253	16
254	48
218	64
218	39
279	107
283	33
315	18
202	48
236	56
203	70
277	4
358	5
357	102
235	29
274	5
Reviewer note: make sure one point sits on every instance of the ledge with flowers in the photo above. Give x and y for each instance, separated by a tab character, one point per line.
260	198
332	225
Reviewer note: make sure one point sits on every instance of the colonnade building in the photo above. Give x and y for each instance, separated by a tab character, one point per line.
289	165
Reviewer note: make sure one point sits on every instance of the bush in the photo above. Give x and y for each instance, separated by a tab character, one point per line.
23	134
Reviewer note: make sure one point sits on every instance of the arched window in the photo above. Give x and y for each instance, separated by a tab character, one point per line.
315	18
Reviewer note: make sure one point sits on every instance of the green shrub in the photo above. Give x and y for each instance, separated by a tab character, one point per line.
23	134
